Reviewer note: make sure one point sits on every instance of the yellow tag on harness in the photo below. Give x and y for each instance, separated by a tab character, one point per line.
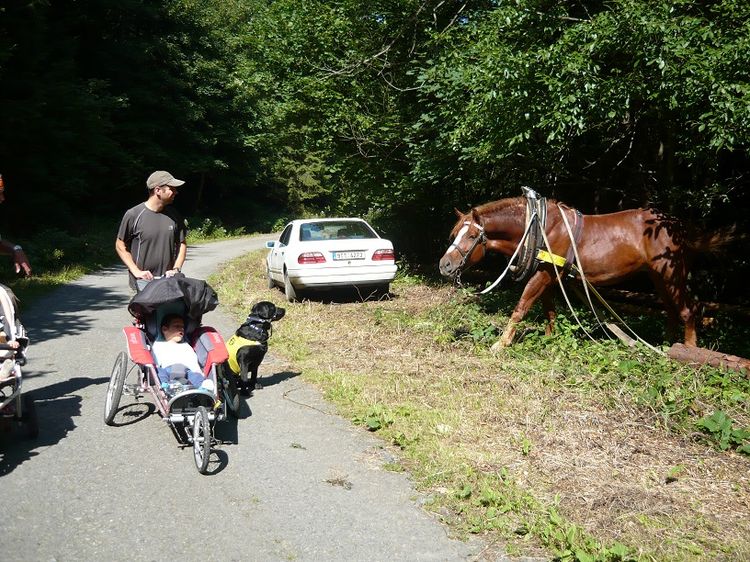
545	256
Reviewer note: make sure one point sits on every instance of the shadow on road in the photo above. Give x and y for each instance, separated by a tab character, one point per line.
217	463
57	407
277	378
133	413
59	313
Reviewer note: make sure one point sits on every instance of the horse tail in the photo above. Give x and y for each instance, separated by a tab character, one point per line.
716	241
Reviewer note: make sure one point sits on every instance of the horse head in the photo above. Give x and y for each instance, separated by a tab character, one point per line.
468	244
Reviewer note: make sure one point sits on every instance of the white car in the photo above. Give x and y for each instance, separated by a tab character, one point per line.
329	254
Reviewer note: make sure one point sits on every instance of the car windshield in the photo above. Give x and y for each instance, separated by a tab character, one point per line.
335	230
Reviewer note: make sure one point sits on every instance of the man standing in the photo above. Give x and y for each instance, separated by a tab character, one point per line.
7	247
151	238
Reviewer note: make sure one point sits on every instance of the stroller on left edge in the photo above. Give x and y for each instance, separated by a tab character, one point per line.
14	405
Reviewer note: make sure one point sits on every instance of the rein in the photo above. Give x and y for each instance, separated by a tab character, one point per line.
586	286
510	265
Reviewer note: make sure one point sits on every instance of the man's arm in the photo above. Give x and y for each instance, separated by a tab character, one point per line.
179	260
127	259
19	256
181	255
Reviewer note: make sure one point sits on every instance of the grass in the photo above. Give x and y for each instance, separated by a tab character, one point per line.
558	446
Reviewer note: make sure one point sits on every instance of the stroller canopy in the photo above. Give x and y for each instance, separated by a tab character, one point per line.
197	295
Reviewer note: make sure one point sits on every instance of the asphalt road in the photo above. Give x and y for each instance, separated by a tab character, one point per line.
290	482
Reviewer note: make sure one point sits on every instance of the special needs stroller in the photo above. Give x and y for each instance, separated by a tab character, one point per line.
190	412
14	406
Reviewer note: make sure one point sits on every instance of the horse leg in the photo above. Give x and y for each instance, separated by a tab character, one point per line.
671	285
548	302
533	290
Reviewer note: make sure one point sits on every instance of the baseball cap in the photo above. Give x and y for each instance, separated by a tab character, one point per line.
162	178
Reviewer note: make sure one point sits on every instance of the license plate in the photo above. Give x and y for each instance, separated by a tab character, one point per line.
352	255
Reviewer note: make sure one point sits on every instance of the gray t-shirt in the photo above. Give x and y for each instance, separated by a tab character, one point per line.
153	239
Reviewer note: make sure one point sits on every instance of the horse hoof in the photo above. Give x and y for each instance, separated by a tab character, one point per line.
501	343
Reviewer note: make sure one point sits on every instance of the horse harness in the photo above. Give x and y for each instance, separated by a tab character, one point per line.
575	237
536	214
530	250
533	251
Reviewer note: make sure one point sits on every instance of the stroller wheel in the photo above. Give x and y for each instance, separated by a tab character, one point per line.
114	390
201	439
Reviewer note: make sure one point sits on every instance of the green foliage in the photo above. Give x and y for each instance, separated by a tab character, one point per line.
129	87
594	92
721	429
211	229
377	417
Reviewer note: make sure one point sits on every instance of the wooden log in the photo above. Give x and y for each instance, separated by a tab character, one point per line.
701	356
622	336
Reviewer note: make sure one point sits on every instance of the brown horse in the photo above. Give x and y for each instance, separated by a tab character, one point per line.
611	247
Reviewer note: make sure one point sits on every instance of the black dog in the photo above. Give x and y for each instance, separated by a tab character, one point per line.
249	345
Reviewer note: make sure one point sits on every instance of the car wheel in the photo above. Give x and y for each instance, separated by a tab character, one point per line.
291	294
269	280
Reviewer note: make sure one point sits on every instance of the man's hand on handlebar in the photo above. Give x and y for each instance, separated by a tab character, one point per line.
144	274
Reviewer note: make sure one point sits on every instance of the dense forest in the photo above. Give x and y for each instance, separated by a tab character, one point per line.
395	110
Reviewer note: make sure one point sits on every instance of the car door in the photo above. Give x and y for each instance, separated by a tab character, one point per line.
276	261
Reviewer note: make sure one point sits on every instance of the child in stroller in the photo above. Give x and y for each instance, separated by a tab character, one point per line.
175	358
172	348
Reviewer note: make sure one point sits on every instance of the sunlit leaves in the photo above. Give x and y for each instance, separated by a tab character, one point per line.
633	92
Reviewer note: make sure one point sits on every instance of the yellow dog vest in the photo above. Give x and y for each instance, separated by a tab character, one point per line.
233	345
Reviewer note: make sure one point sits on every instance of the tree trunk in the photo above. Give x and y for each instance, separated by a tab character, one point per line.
700	356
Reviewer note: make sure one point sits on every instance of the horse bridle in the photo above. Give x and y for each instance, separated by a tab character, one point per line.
480	239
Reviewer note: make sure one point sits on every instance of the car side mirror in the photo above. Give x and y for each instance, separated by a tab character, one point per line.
271	244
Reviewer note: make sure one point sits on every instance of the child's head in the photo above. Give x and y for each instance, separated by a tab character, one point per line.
173	327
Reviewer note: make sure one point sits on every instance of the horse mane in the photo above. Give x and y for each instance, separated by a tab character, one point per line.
488	209
516	204
498	206
495	207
